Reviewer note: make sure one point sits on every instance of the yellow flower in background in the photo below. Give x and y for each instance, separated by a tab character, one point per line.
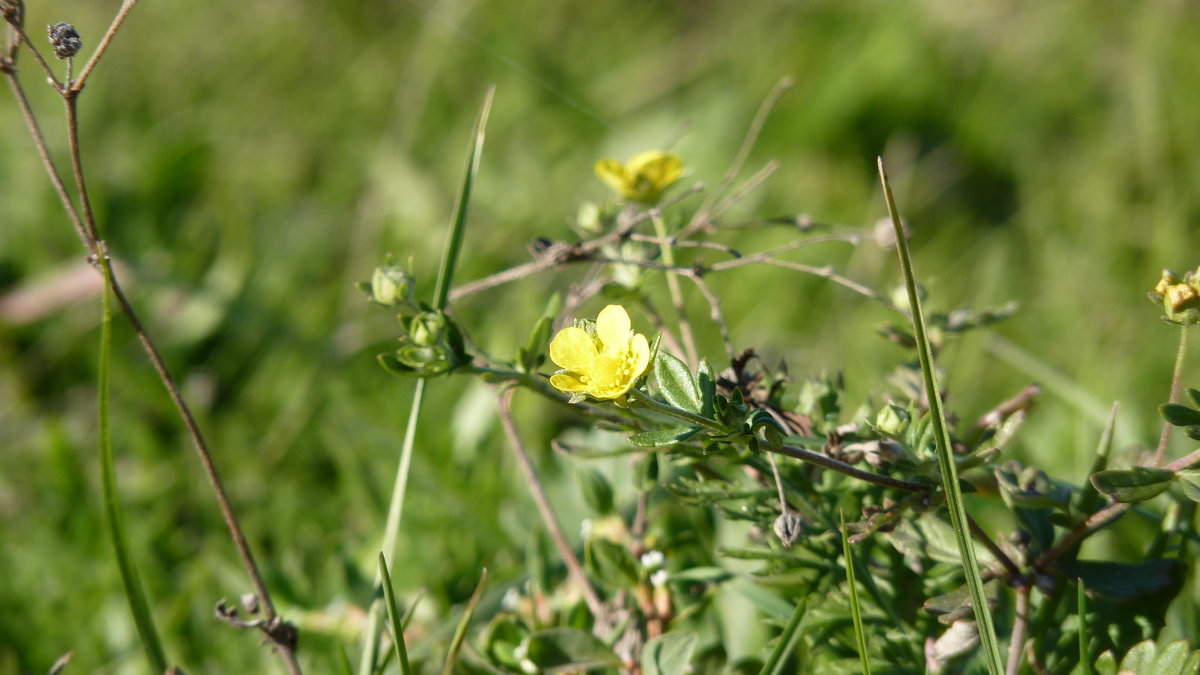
642	178
603	366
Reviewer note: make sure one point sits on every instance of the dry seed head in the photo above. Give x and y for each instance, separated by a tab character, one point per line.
788	527
11	11
65	40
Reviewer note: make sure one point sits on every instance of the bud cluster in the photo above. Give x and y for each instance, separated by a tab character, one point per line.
1180	298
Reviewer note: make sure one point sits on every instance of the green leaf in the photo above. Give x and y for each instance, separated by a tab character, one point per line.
1194	394
1123	581
1133	485
1106	664
1140	659
957	604
597	491
460	633
669	654
533	354
663	438
1190	481
707	380
704	575
559	650
504	637
612	563
1176	658
930	537
675	382
1179	415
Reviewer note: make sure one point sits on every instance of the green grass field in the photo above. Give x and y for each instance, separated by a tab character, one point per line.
249	162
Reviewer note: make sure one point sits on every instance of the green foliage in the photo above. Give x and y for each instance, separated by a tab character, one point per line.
242	198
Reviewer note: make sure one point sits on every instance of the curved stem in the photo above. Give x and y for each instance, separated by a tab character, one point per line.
594	603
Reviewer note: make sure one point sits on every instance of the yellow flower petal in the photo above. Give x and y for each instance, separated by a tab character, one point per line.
573	349
613	328
568	382
641	354
642	178
613	174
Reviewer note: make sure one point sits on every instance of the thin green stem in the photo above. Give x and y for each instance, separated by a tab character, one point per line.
391	529
855	611
644	402
142	618
1160	454
949	470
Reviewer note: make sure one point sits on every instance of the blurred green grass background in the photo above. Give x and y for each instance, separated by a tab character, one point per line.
249	162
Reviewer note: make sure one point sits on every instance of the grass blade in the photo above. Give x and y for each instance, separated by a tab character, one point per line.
1085	662
460	633
130	580
459	221
391	530
855	613
394	615
787	642
370	650
954	498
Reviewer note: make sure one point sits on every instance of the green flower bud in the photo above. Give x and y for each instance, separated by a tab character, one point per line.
391	285
427	329
892	420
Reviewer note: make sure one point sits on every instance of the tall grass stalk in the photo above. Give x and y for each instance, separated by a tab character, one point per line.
130	580
786	643
391	530
855	611
941	430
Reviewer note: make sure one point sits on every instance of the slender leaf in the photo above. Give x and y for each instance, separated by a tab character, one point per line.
786	643
394	614
143	620
1090	500
954	499
855	611
460	633
458	223
663	438
1136	484
1085	661
1179	415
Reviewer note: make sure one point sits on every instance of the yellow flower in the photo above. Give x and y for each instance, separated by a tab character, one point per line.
603	366
642	178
